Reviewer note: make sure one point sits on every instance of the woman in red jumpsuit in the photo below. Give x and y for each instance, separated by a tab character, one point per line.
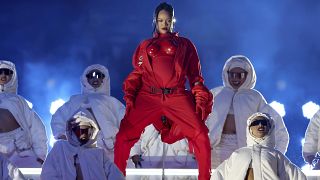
155	94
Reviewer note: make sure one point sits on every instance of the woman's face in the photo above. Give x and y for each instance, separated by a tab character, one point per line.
82	133
259	128
95	78
237	76
5	76
164	22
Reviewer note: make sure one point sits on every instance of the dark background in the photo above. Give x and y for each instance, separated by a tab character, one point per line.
52	42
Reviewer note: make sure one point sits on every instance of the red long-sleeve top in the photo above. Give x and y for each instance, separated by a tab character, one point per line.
186	65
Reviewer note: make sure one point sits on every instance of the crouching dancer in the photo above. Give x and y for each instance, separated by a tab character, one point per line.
260	159
78	157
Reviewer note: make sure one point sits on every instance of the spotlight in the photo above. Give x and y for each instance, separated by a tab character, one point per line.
309	109
302	141
55	105
52	140
278	107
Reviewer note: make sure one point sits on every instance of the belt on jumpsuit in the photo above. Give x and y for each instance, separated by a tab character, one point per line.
164	91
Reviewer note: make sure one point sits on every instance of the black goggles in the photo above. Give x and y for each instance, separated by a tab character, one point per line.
6	71
95	74
237	75
79	131
263	122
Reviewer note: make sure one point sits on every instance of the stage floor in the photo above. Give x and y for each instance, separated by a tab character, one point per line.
155	174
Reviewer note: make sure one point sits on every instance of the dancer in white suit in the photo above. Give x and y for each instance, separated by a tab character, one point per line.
259	160
78	157
23	138
107	110
312	139
235	101
157	154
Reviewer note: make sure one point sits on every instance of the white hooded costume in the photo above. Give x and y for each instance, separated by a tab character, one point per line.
245	101
25	144
157	154
8	171
107	110
312	137
260	155
65	154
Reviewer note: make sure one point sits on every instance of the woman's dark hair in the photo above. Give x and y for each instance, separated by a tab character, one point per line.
162	6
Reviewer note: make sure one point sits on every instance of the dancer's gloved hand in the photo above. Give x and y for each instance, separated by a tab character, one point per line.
309	159
204	100
136	159
40	160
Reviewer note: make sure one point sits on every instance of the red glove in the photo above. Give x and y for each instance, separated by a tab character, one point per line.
129	102
203	98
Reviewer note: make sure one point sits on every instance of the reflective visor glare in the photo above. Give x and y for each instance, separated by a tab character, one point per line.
95	74
236	75
257	122
6	71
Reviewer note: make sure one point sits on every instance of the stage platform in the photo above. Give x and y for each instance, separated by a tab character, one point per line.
155	174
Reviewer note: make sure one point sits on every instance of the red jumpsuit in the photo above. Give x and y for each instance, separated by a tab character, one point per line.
157	87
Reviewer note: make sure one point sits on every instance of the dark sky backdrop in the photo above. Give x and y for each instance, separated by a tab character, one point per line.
52	42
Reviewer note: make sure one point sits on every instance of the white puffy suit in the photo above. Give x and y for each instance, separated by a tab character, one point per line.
312	137
61	160
8	170
245	102
25	144
260	155
157	154
107	110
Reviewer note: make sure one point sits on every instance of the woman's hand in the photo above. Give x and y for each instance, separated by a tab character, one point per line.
203	99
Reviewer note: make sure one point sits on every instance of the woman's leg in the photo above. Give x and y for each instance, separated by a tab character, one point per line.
131	127
181	110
